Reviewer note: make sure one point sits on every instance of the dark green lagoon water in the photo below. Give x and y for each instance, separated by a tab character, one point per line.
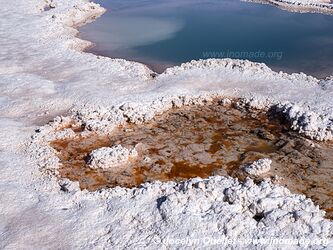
163	33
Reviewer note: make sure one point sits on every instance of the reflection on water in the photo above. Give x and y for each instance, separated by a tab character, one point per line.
164	33
131	32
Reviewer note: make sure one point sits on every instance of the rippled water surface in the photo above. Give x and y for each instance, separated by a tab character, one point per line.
164	33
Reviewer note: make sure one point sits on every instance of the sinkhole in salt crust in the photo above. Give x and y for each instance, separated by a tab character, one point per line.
201	141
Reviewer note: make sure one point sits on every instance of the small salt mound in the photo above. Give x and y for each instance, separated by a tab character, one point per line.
110	157
258	167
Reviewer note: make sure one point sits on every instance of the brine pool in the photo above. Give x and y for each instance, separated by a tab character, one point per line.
169	32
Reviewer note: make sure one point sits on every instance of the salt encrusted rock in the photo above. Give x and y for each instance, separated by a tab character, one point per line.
110	157
312	125
319	6
64	134
258	167
225	102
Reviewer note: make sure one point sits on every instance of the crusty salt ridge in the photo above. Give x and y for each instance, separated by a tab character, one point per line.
258	167
105	158
44	74
302	6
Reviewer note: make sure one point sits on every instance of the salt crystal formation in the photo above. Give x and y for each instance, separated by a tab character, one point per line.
302	6
259	167
104	158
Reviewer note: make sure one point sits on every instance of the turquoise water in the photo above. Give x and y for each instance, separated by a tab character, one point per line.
163	33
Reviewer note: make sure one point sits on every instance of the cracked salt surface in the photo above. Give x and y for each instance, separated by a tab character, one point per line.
40	57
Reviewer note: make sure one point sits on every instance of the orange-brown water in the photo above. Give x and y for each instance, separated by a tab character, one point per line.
200	141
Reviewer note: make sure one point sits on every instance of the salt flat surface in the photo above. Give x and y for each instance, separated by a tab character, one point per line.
43	74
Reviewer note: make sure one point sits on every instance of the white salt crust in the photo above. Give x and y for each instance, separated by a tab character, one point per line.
302	6
258	167
113	157
44	75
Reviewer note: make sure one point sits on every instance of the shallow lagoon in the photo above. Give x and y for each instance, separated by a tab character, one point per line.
165	33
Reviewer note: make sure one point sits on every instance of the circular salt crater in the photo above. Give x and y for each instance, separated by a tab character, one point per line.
198	141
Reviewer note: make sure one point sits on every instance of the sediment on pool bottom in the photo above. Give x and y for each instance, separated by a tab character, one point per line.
201	141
